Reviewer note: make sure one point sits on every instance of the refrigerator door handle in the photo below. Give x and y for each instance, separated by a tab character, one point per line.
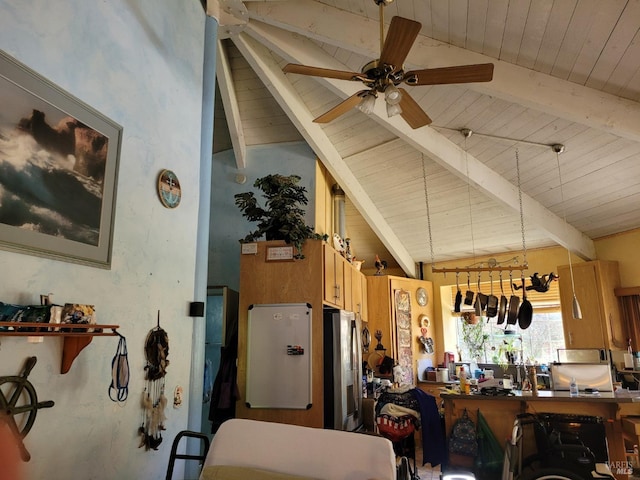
357	367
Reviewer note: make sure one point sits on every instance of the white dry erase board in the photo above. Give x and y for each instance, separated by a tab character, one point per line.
279	356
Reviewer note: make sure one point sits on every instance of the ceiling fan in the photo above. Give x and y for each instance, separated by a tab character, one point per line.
386	73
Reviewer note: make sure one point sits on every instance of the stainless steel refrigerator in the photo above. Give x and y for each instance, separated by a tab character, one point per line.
342	370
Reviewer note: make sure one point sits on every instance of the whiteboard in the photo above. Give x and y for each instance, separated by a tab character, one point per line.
279	356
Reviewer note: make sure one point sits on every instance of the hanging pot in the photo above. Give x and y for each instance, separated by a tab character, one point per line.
456	307
481	297
514	303
502	310
525	314
468	296
492	301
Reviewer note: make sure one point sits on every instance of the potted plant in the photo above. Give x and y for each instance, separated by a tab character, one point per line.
282	217
474	337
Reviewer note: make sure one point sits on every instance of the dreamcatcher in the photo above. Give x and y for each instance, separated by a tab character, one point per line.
156	350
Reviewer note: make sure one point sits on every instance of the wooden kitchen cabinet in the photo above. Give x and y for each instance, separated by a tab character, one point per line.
601	324
334	277
322	278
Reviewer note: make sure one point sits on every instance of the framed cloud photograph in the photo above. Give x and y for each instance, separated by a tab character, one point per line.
58	170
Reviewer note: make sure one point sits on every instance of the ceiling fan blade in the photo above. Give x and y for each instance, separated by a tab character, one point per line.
319	72
340	109
412	112
482	72
400	37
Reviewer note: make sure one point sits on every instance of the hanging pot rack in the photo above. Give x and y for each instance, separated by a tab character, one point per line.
510	268
466	132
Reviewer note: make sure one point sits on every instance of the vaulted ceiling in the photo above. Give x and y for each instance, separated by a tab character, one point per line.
566	72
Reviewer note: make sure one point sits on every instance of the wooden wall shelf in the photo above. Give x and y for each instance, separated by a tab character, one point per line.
74	341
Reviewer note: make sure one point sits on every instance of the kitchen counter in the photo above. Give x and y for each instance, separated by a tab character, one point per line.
542	395
501	411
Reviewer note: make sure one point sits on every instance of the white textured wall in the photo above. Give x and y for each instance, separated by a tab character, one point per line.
139	62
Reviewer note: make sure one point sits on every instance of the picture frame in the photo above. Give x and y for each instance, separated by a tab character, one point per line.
58	170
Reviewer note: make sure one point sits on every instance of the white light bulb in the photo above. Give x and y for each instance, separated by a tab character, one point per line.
393	110
392	95
367	103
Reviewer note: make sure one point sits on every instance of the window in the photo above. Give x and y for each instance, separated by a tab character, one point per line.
488	342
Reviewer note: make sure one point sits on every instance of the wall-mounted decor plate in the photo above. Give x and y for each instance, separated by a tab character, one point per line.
422	297
169	189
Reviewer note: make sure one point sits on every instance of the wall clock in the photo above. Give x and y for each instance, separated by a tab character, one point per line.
169	189
422	297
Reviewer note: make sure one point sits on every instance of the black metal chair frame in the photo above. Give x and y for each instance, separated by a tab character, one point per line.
204	445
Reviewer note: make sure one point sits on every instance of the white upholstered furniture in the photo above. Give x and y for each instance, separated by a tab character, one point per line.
297	451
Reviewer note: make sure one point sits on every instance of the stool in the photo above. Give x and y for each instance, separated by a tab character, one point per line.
204	442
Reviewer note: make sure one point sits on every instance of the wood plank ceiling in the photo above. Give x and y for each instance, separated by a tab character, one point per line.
566	72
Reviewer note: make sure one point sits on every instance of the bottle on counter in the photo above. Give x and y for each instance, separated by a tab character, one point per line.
465	388
533	379
573	387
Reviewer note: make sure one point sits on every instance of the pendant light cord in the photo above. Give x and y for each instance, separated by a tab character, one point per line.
558	149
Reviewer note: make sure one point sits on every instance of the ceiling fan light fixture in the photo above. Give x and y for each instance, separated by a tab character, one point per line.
367	103
393	110
392	95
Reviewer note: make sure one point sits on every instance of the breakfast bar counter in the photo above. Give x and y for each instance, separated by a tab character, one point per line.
501	411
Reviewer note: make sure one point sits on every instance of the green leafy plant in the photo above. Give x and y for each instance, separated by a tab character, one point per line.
474	337
282	217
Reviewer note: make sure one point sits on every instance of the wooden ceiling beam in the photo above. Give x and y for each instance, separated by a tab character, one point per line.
230	103
512	83
428	141
270	71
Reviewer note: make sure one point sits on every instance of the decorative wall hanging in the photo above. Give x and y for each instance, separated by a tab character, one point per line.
169	189
403	335
9	404
154	402
58	164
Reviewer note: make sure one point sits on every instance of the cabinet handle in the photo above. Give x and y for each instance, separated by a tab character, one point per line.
338	292
570	338
614	340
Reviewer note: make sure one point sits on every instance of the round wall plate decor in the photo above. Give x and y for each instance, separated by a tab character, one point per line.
422	297
169	189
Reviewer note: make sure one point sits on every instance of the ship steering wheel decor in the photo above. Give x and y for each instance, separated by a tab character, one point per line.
12	390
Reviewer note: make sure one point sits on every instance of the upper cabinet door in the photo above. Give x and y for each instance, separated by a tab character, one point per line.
601	325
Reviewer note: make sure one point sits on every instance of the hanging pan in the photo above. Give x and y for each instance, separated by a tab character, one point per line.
502	310
468	296
456	307
525	314
514	303
492	300
481	296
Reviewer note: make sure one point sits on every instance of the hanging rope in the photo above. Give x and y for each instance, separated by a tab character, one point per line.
426	200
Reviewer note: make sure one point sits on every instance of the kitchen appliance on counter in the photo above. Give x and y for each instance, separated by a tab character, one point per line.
590	367
583	355
342	370
596	376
